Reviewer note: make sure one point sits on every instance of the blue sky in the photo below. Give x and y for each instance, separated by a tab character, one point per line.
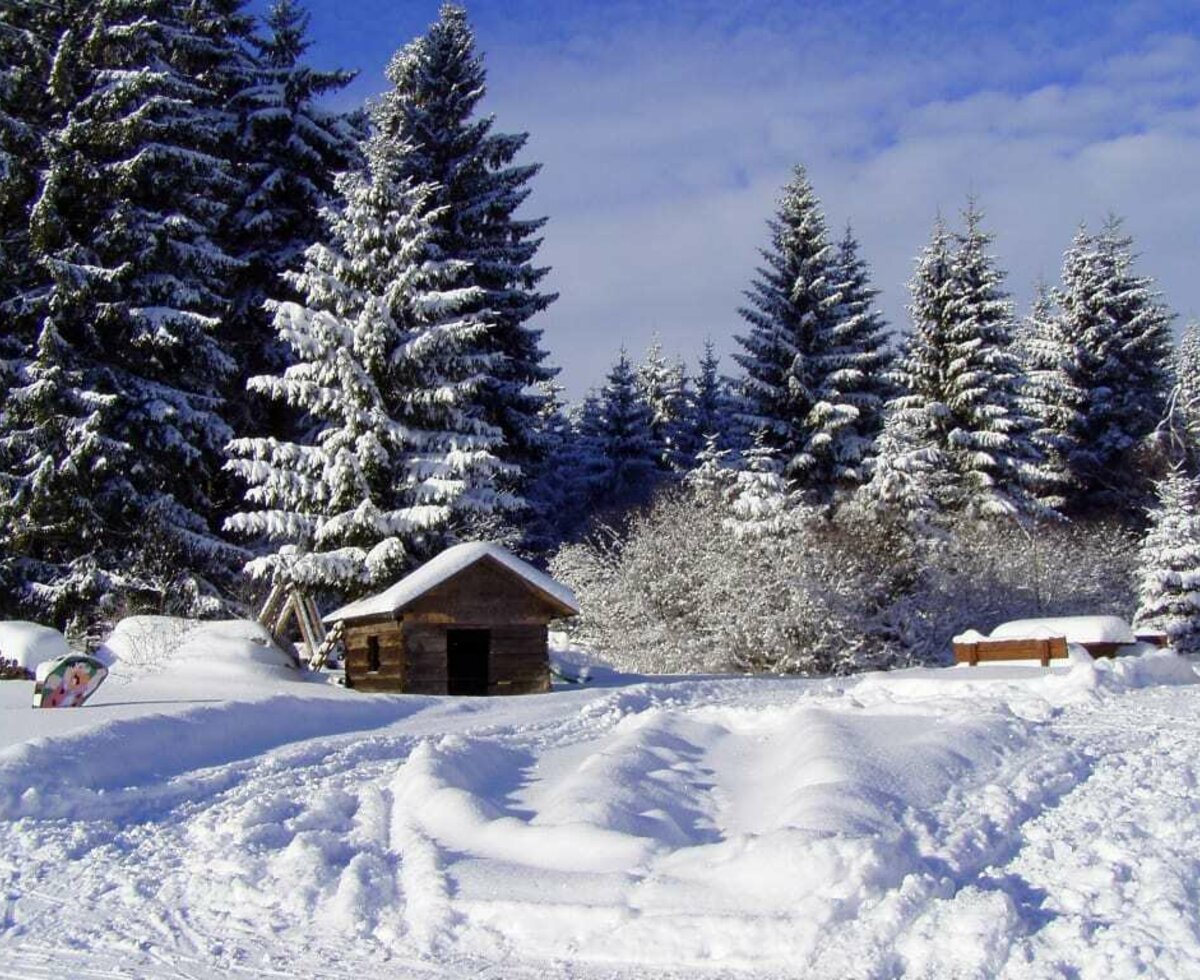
667	129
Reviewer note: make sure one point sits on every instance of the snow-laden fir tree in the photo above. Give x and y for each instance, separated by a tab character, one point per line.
56	470
711	478
1169	564
958	378
758	499
804	359
1119	337
905	484
709	415
289	149
1181	426
125	226
618	441
439	82
864	356
1049	395
664	389
557	493
28	37
388	368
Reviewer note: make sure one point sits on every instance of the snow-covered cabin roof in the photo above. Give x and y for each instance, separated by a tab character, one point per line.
445	566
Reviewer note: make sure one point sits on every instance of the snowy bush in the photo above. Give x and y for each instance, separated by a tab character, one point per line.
686	589
682	590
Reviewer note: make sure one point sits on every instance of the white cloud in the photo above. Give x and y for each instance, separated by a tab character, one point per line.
666	131
663	155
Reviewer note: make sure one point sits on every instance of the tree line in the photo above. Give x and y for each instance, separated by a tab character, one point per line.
241	330
248	338
859	500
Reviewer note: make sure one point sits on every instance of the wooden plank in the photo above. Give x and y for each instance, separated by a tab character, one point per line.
984	651
275	600
380	683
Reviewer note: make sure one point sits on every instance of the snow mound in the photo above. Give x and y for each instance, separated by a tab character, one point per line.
144	644
232	650
30	644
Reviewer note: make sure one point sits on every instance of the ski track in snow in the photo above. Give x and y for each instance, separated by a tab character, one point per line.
714	828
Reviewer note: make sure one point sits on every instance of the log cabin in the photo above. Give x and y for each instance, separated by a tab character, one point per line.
472	621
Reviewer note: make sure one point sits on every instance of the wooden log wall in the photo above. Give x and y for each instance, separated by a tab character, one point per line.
391	675
426	646
519	663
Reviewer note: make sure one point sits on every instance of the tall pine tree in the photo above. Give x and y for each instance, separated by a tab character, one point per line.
439	82
1118	334
58	478
863	355
1049	395
959	378
29	35
124	229
617	431
813	356
708	423
388	367
663	387
288	148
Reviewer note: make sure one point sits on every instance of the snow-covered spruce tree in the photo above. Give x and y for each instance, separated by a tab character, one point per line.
388	368
558	491
618	440
56	470
709	411
959	379
862	343
758	498
1119	336
439	81
1169	564
663	387
28	38
905	483
288	150
125	226
1181	426
1049	395
804	363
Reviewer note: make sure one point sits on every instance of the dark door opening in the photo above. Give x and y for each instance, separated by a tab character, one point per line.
467	661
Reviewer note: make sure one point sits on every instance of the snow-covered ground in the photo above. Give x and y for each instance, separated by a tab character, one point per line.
197	821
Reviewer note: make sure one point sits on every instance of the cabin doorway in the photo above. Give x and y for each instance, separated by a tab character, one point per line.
467	655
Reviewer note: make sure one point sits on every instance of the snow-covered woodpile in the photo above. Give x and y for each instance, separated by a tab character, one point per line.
472	621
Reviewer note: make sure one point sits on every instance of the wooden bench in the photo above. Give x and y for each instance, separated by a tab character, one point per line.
985	651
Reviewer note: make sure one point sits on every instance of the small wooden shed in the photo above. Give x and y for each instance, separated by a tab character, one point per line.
471	621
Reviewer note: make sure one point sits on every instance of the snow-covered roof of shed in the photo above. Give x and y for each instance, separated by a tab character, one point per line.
446	565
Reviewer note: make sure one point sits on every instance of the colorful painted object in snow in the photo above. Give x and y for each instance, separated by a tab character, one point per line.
69	682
